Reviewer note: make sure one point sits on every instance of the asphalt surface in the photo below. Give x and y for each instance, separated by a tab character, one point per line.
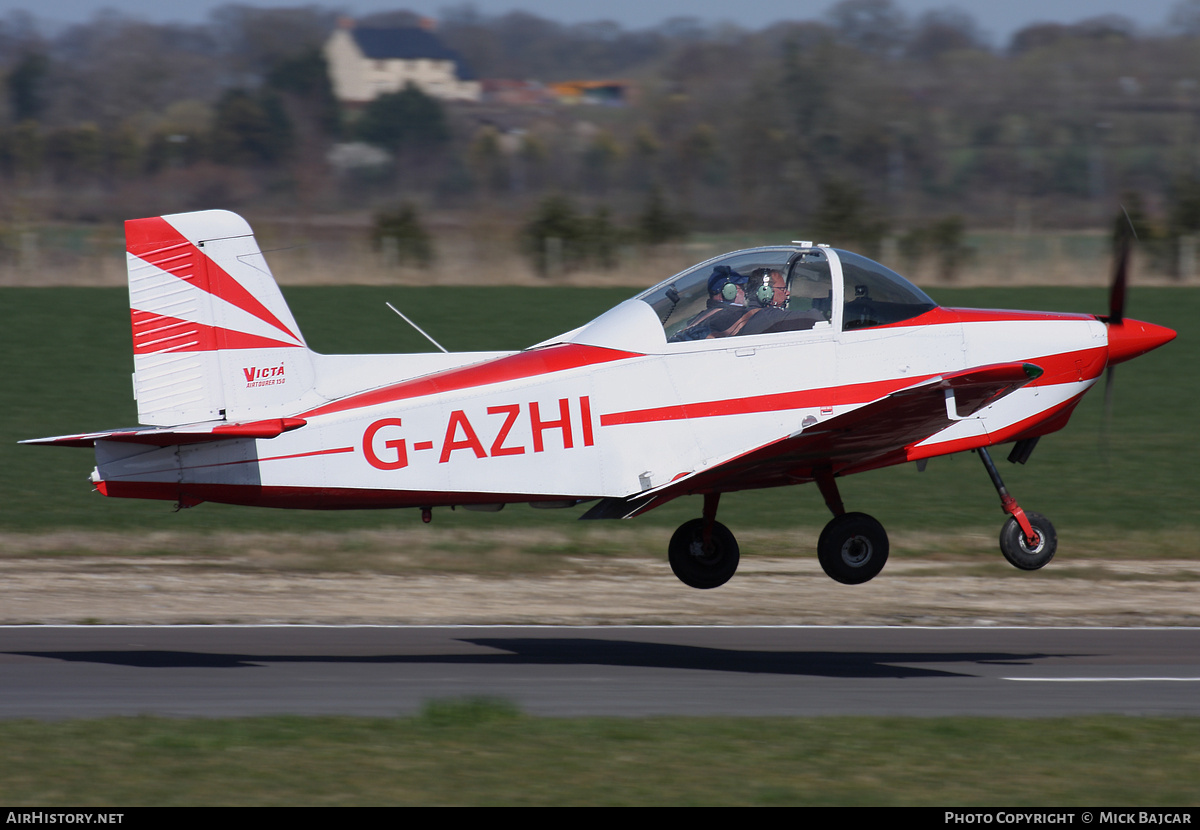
52	672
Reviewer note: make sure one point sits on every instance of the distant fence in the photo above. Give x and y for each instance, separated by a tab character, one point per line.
341	252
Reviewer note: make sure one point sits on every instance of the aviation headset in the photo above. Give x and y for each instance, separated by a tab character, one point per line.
764	292
725	281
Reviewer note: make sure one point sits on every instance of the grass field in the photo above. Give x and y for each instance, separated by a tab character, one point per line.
68	362
484	753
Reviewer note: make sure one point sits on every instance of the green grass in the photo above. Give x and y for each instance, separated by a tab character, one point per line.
68	364
481	752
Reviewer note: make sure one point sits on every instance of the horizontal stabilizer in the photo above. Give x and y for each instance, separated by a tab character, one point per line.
172	436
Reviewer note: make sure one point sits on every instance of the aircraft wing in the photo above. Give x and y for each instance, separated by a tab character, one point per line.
169	436
873	435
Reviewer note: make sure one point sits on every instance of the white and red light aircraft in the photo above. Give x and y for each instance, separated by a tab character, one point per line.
759	368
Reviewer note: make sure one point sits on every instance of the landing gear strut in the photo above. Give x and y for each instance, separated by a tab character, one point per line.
703	552
1027	540
853	547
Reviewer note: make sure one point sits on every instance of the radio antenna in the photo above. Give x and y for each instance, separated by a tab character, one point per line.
415	326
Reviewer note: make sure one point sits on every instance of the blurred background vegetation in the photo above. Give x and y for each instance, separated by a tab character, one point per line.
904	137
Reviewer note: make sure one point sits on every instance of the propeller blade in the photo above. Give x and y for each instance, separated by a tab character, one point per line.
1105	423
1116	294
1116	315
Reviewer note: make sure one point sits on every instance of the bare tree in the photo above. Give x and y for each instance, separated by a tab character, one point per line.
944	30
876	27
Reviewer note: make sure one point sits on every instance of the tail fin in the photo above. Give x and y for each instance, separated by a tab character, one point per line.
213	338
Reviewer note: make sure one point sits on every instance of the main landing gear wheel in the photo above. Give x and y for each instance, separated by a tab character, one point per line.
700	565
853	548
1015	546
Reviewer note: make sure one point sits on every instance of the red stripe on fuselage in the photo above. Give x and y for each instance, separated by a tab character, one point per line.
997	315
518	366
939	316
332	451
948	316
1071	367
264	459
800	399
157	242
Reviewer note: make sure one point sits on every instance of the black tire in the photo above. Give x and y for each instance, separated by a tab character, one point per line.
1017	551
703	566
853	548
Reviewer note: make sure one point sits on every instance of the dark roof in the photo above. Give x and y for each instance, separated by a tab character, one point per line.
408	43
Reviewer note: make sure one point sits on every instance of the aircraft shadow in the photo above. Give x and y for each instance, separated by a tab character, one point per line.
591	652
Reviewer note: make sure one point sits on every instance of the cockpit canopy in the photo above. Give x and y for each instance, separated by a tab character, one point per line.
769	290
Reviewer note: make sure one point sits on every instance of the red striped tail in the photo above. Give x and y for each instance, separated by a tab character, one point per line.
213	338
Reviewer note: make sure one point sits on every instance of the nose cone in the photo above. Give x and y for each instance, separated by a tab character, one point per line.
1128	339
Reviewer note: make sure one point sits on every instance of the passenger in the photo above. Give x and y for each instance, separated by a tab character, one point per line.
725	313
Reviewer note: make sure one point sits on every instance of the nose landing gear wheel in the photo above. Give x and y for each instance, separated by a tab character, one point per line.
1015	546
853	548
700	565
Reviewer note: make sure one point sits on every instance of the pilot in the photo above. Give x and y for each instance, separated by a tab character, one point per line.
725	313
770	288
767	288
768	291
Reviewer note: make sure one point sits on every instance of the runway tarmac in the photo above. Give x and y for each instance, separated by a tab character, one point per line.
54	672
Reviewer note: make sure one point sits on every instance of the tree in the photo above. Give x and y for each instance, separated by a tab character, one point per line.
26	149
807	78
255	40
1184	224
122	153
400	234
947	241
845	217
699	157
1105	29
488	160
405	119
26	84
305	76
75	153
1185	18
657	223
876	27
643	156
599	159
114	69
553	237
558	239
941	31
602	239
250	129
